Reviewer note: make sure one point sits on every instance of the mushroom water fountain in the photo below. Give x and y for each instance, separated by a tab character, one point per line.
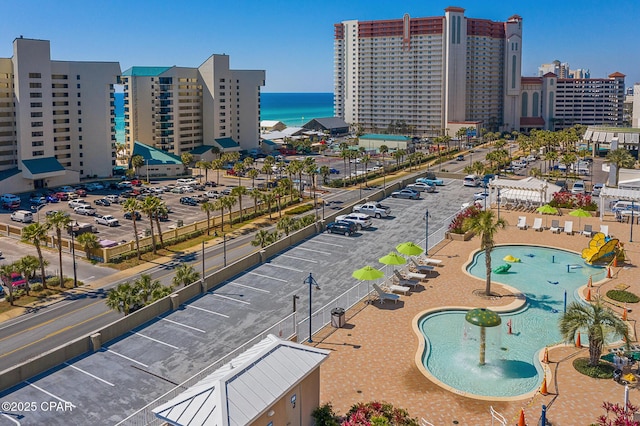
483	318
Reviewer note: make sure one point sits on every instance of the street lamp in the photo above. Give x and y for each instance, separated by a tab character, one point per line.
224	249
147	167
426	232
498	198
203	263
73	255
312	282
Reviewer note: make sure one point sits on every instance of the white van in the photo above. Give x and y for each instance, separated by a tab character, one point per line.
471	180
187	181
24	216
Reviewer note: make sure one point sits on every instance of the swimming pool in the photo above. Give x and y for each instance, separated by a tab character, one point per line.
512	367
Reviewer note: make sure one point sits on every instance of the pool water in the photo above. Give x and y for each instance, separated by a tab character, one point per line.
512	367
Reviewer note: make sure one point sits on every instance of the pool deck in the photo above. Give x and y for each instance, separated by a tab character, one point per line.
372	357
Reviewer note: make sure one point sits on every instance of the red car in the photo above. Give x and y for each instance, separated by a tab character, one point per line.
81	192
17	281
136	182
62	196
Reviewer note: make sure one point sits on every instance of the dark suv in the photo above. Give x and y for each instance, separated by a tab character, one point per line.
189	201
342	227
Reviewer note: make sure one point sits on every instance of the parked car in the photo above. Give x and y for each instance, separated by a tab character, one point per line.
107	220
23	216
112	198
362	220
62	196
177	190
431	179
201	198
81	192
212	193
406	193
460	157
102	202
344	228
480	196
85	210
128	216
37	200
597	187
51	198
422	187
189	201
334	171
124	185
578	187
52	212
78	203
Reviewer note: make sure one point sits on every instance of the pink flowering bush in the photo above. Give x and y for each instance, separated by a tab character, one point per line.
378	413
619	415
457	224
573	201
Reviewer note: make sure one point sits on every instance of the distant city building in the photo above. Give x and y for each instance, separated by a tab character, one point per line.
423	73
178	109
635	114
556	67
57	118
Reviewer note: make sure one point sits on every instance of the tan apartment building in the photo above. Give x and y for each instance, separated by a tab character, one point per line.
57	119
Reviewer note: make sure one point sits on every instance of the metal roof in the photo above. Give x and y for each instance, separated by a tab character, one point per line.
241	390
43	165
201	149
153	156
145	71
329	123
227	143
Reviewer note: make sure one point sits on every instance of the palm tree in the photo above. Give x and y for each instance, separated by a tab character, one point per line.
383	150
186	158
201	165
239	191
88	241
207	207
145	286
36	233
132	206
238	168
229	201
161	210
253	174
215	151
59	220
255	193
621	159
325	172
122	298
279	192
262	239
28	265
219	205
217	165
185	275
161	292
206	166
286	224
137	161
150	207
485	225
5	275
269	198
599	321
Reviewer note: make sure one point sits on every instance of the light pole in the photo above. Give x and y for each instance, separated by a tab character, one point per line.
631	226
147	167
312	282
203	263
315	204
426	232
224	249
498	198
73	255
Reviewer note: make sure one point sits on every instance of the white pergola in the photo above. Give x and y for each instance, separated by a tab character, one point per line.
529	190
608	194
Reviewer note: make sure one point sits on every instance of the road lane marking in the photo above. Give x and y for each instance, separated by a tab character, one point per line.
267	276
88	374
283	267
207	310
314	251
298	258
28	317
231	298
155	340
127	358
49	393
53	334
248	286
329	244
183	325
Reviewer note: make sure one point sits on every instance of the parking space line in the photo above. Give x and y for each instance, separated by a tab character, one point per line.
283	267
231	298
329	244
88	374
11	418
315	251
206	310
248	286
127	358
156	340
267	276
49	393
298	258
183	325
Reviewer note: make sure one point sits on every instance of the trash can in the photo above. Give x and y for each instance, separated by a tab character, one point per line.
337	317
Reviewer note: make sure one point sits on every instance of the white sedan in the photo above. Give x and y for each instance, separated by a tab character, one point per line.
422	187
362	220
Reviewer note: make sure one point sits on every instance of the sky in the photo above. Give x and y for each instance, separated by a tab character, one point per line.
292	40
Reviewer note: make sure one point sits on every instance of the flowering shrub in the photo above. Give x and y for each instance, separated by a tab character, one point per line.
572	201
457	224
378	413
622	416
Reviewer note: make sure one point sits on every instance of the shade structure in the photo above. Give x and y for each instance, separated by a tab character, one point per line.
368	273
579	213
392	259
483	318
409	249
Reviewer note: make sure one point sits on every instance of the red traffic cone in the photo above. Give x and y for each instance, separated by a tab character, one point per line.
543	386
624	313
521	420
509	331
588	295
590	282
615	261
608	272
578	342
545	357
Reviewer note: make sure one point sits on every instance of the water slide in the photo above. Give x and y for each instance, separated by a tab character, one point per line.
602	249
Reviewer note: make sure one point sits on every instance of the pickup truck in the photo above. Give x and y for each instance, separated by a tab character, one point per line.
107	220
372	209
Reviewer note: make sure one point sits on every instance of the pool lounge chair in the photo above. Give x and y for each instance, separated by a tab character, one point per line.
605	230
588	230
537	224
384	296
568	227
414	276
522	222
393	288
404	280
429	261
422	268
555	227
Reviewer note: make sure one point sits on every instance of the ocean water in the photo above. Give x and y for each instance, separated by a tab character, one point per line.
293	109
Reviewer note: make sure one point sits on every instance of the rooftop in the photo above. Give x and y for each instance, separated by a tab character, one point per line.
145	71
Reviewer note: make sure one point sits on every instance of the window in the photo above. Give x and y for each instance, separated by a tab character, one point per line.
36	104
36	114
37	143
78	94
35	95
37	134
35	75
78	85
37	153
79	129
35	85
36	124
79	103
77	77
79	120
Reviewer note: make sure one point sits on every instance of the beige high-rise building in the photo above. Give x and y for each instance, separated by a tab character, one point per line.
57	119
177	109
427	73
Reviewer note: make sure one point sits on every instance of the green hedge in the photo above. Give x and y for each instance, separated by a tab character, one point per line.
622	296
300	209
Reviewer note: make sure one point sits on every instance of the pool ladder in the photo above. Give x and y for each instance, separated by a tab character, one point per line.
499	418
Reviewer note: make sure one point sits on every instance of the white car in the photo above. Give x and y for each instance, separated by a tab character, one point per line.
480	196
422	187
107	220
362	220
85	210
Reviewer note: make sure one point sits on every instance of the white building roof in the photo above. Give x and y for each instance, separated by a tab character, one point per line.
269	123
243	389
528	189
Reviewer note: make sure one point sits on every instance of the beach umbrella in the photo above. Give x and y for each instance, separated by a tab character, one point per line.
392	259
547	209
579	213
409	249
368	273
483	318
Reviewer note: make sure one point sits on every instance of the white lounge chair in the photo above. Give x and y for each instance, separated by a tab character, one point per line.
537	224
568	227
429	261
414	275
384	296
555	227
605	230
422	268
402	280
522	222
588	230
393	288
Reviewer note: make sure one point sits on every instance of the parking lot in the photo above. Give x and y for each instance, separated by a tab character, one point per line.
128	373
